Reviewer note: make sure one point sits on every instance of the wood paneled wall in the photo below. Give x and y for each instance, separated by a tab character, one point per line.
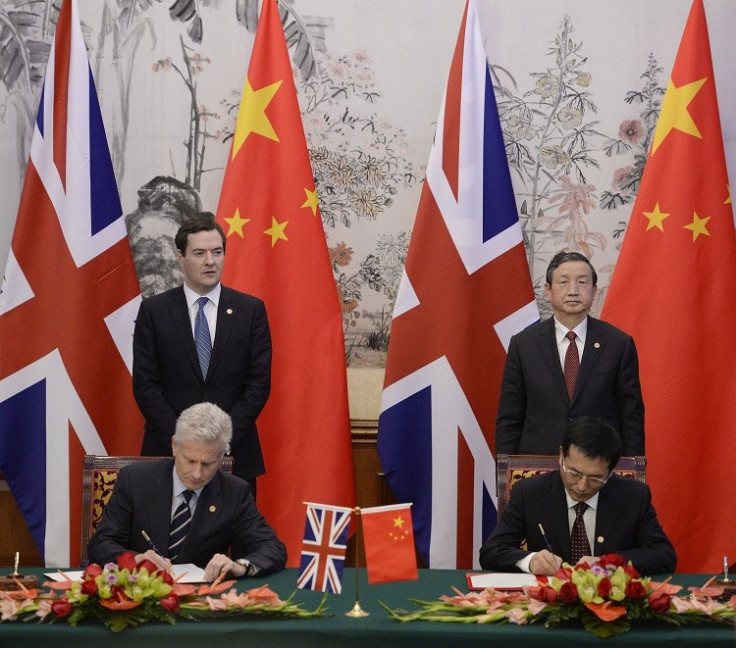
371	490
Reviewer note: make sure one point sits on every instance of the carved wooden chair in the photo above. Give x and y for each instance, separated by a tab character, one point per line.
512	468
98	480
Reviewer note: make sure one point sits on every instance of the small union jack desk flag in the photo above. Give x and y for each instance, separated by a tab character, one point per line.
323	548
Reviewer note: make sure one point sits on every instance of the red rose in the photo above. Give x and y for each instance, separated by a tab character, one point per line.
118	592
89	587
166	577
62	608
547	594
604	587
127	561
563	573
569	592
612	559
148	565
635	590
631	572
92	571
170	603
659	601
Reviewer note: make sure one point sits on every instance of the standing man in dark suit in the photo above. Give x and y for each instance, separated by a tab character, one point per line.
617	515
537	403
192	512
168	373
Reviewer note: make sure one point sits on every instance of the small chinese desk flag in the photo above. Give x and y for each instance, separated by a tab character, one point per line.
389	543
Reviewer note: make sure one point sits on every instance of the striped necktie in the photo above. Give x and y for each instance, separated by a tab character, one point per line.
180	525
202	338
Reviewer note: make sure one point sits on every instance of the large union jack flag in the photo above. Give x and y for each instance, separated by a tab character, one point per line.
323	548
68	302
466	289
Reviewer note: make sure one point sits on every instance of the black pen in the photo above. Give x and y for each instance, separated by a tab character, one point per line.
544	537
147	538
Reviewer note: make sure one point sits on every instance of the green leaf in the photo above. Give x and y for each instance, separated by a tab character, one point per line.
604	629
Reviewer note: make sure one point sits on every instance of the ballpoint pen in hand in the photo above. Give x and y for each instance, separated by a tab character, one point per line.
147	538
544	537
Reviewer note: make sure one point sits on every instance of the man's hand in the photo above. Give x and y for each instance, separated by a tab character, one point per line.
587	560
160	562
544	563
220	566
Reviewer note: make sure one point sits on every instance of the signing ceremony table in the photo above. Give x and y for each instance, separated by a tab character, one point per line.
377	630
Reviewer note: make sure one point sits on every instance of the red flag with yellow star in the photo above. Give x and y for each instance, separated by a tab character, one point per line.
672	289
276	250
389	543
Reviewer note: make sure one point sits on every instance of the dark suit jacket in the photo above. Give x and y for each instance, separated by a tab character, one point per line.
626	524
226	517
534	409
167	378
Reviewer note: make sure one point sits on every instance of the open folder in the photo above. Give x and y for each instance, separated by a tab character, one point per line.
186	573
500	581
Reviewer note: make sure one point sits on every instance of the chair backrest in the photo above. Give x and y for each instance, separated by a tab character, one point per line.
98	480
512	468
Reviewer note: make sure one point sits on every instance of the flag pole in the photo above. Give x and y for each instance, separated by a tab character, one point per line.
357	611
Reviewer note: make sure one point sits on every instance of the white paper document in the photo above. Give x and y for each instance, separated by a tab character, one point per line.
186	573
501	581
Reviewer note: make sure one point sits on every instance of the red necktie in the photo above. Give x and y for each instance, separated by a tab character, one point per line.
578	537
572	364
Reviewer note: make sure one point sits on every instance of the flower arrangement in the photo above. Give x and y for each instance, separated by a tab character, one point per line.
127	593
606	596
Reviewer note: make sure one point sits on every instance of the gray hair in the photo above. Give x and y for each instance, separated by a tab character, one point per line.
205	422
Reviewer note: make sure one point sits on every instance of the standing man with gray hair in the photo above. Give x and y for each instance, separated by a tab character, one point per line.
190	511
569	366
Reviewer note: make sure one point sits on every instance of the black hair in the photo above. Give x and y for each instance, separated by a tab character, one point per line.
594	438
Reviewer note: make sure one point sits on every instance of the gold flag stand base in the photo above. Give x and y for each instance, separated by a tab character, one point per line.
357	611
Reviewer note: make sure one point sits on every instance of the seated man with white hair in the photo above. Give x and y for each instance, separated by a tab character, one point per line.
188	508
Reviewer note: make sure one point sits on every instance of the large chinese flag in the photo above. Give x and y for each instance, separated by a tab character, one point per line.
67	306
276	250
672	289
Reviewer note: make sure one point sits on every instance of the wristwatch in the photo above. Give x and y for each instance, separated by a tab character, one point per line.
250	568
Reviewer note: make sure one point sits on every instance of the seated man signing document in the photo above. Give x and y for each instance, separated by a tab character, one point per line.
184	510
580	511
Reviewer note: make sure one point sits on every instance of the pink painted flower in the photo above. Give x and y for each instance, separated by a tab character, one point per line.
631	131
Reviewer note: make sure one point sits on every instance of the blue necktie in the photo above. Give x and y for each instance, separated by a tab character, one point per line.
202	337
180	525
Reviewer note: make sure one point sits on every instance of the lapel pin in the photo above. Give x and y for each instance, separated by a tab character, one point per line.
600	539
229	311
213	508
597	345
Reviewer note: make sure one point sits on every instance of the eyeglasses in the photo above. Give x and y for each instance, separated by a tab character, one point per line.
577	475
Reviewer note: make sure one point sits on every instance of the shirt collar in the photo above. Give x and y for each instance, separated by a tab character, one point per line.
179	486
191	296
592	502
581	330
